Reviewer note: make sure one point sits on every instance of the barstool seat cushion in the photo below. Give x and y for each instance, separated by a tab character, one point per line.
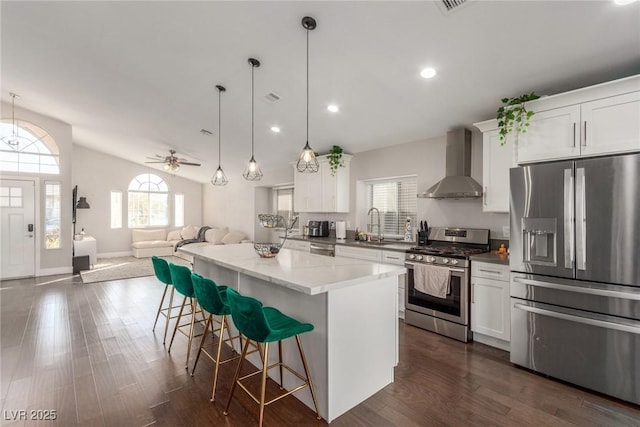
262	324
210	296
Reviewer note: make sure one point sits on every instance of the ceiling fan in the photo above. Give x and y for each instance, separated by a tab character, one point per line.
171	162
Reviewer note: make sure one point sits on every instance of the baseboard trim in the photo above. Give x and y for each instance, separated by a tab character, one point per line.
115	254
491	341
54	271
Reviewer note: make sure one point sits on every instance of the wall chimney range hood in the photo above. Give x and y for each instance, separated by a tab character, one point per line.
457	183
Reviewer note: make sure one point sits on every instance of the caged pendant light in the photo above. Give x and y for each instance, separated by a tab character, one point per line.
307	163
219	178
252	172
13	140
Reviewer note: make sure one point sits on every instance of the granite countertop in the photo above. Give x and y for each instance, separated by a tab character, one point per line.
391	245
492	257
301	271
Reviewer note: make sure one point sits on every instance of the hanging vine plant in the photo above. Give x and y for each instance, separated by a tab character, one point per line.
513	115
335	158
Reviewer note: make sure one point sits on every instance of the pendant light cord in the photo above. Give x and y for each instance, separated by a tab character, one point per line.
13	114
307	85
219	126
252	101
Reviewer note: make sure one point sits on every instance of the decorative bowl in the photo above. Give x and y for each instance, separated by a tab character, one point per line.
267	250
270	221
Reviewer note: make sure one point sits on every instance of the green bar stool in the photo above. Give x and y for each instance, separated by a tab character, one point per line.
181	279
266	325
161	270
213	299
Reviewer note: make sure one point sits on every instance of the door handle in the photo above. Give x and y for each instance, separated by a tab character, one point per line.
585	133
581	220
569	208
574	134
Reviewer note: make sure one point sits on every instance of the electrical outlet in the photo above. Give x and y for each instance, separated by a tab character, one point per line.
505	231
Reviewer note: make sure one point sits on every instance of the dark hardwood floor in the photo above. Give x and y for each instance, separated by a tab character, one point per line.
88	352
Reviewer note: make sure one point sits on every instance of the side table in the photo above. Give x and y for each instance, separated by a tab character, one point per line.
86	246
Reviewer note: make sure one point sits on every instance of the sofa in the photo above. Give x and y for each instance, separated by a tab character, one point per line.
150	242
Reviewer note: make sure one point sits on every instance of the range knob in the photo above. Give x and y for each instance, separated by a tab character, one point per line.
420	257
445	260
431	259
412	256
454	262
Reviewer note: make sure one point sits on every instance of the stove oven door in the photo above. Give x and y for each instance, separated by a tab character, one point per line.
454	308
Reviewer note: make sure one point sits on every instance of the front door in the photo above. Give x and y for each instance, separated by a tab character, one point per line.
17	232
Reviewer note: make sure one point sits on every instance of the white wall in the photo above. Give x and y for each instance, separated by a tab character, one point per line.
50	261
97	174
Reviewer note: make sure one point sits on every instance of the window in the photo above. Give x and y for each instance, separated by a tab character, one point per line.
179	210
283	202
10	197
116	209
396	200
148	203
52	215
36	151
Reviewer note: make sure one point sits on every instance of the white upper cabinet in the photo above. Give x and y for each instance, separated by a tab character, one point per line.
322	191
593	121
496	161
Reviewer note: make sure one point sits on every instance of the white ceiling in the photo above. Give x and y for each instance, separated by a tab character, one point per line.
135	79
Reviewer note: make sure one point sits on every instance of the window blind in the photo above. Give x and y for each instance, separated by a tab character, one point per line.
396	200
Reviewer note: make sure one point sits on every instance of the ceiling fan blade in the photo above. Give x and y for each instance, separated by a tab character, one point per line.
157	162
189	163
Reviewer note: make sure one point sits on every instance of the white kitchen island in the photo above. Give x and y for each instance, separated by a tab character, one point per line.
351	303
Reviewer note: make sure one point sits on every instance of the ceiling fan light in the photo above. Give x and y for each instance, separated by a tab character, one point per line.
252	172
307	163
219	178
166	166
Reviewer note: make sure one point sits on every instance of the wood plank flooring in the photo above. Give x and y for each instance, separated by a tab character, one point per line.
88	352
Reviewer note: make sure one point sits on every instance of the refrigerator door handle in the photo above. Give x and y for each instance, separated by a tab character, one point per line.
581	220
609	293
569	256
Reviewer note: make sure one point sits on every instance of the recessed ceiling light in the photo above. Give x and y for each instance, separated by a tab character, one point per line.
623	2
333	108
428	73
275	129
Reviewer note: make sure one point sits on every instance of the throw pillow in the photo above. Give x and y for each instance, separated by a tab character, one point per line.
215	235
189	232
234	237
174	235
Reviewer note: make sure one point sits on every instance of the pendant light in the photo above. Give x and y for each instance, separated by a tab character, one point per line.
13	140
307	163
252	172
219	178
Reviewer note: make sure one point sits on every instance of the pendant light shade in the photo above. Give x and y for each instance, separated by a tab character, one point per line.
13	140
252	172
219	178
307	163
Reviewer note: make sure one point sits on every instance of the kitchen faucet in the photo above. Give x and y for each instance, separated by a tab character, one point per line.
379	233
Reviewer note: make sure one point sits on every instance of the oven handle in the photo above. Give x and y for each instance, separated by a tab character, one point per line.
455	270
590	291
579	319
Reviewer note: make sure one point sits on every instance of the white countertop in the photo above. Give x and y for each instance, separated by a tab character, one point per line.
307	273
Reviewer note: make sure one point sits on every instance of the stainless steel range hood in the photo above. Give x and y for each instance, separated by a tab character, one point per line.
457	183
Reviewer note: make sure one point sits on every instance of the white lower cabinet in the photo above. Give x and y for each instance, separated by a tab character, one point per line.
298	245
382	256
490	308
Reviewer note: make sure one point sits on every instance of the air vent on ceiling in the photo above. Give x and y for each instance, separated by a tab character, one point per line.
448	6
272	98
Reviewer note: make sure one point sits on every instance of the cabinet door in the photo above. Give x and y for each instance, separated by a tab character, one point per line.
552	134
374	255
328	188
490	309
611	125
496	161
307	195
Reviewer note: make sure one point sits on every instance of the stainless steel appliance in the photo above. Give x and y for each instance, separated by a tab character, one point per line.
450	248
575	281
326	249
318	228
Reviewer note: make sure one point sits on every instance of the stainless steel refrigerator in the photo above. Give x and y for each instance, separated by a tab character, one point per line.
575	281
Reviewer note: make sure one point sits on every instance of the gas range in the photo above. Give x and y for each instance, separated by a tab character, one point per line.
450	246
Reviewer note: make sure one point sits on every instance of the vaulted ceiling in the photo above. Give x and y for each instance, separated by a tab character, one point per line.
136	79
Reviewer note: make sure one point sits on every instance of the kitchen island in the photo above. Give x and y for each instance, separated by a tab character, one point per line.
351	303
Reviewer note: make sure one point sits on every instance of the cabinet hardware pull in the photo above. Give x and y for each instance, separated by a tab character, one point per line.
585	133
484	196
489	271
574	134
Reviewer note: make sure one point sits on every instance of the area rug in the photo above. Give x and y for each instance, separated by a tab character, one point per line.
123	268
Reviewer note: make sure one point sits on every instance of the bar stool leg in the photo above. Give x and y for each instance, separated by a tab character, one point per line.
204	336
306	372
164	294
166	325
280	360
191	328
263	388
236	376
223	326
175	329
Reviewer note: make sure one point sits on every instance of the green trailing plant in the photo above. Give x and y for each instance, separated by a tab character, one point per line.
335	158
513	115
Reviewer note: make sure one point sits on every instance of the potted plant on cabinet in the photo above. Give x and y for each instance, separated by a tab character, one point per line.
335	159
513	115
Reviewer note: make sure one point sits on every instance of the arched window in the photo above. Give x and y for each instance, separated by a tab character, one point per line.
148	201
33	151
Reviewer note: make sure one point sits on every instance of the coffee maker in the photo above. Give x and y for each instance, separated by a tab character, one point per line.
318	228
